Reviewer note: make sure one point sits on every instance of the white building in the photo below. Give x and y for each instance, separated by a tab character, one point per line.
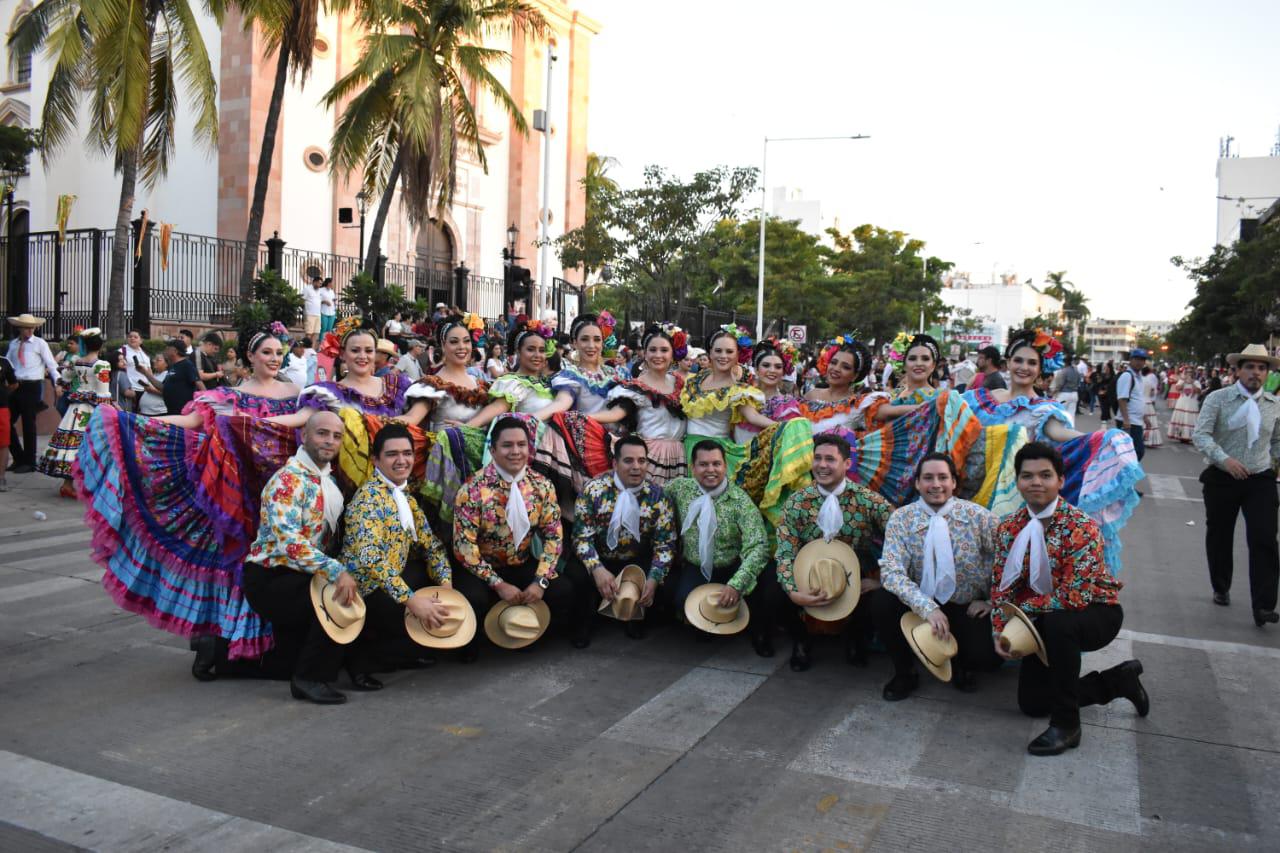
1156	328
790	204
1247	186
1110	340
998	305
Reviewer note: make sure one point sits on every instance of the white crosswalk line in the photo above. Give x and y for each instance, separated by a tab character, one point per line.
1168	487
871	746
679	716
49	586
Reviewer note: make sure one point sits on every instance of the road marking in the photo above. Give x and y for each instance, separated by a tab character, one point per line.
83	810
679	716
1169	487
48	586
871	746
1098	786
1216	646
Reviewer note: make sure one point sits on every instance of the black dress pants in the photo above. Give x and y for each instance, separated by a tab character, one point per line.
587	595
1225	498
1057	690
384	641
559	596
976	651
25	403
302	648
763	602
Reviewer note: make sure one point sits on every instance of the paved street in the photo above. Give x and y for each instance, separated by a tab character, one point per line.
106	742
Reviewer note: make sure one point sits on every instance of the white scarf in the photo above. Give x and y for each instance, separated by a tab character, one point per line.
938	578
1031	536
517	512
402	505
1248	415
831	516
703	511
626	513
332	494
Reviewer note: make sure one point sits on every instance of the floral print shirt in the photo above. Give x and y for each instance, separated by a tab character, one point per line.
973	531
481	536
291	528
865	517
1080	576
375	547
594	508
740	533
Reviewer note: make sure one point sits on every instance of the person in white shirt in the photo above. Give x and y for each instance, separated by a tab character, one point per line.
32	361
409	364
312	297
1131	400
328	306
134	355
295	366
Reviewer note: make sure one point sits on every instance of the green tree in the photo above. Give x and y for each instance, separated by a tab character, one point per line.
410	109
1075	305
16	145
593	244
375	303
126	59
1237	298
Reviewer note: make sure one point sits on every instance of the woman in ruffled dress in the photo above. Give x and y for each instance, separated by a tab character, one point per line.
1152	435
1102	469
1186	409
649	403
86	384
716	400
779	457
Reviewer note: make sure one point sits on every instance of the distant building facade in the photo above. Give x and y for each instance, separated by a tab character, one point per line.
997	305
1247	187
1110	340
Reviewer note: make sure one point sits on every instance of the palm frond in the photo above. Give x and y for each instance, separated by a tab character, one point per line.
194	69
162	112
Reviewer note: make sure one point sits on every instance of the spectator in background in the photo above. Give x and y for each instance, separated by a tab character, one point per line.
208	360
1066	389
133	355
385	356
295	365
989	376
188	341
181	382
312	296
32	361
8	384
151	397
1131	400
409	364
328	306
496	366
440	314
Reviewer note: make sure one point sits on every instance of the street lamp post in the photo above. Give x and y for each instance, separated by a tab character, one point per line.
764	164
362	204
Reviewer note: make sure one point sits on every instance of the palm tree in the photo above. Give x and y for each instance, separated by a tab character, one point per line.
289	31
410	107
1075	305
126	59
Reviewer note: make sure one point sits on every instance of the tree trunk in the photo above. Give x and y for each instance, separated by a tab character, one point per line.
266	157
121	248
380	218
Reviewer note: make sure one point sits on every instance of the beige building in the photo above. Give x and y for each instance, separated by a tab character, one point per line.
1110	340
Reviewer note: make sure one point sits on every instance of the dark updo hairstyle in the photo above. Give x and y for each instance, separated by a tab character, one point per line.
861	359
765	348
516	336
581	322
248	344
443	328
1023	338
928	342
654	331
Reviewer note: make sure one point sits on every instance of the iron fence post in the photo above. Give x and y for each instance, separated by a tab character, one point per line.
275	253
57	288
95	278
142	277
460	287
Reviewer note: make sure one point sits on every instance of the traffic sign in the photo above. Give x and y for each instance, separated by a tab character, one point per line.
797	334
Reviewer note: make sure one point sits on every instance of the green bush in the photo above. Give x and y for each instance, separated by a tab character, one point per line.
376	303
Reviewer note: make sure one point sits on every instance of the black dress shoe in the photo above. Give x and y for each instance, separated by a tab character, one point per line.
1222	599
1131	688
364	681
901	686
1055	741
315	691
1262	617
800	660
206	649
23	469
964	681
763	644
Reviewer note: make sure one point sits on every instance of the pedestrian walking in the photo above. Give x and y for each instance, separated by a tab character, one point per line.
1151	435
1131	400
1066	389
32	361
1238	431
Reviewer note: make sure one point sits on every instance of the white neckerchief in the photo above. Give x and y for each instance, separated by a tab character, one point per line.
831	516
1248	415
703	511
938	577
626	513
517	512
402	505
332	494
1032	536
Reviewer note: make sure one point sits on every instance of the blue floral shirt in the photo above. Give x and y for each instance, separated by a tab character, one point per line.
973	531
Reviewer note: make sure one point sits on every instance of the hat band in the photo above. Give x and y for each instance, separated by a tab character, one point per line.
448	627
924	652
729	615
331	617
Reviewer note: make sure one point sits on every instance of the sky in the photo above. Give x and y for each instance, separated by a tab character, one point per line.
1012	137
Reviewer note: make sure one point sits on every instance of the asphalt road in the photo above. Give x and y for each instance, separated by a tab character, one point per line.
107	743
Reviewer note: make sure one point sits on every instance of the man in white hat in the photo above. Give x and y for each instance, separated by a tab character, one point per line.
390	550
1049	563
936	562
621	519
1238	431
301	507
723	540
497	516
32	361
832	507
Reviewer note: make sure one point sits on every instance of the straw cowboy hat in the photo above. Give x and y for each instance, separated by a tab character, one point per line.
458	628
703	610
26	321
342	622
386	347
626	604
1253	352
514	626
935	654
1020	637
833	568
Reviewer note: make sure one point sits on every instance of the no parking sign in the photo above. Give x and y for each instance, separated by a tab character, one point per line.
797	334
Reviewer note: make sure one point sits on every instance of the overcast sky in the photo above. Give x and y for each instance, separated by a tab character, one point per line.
1011	136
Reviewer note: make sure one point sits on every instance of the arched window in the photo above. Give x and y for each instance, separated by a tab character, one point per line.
21	74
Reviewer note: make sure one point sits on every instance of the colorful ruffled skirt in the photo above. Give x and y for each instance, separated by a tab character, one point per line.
66	440
1151	435
1182	423
666	459
572	449
779	461
456	453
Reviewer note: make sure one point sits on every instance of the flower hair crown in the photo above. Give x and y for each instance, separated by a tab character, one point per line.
1048	345
833	346
782	347
740	336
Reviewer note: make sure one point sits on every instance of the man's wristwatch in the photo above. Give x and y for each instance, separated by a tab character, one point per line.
543	582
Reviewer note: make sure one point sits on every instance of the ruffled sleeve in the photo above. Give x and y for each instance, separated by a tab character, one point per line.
319	398
622	392
102	379
1044	412
698	403
425	393
566	381
511	387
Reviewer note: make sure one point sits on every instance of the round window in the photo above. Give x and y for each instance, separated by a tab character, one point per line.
315	158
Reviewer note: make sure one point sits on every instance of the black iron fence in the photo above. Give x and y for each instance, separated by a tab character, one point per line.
698	321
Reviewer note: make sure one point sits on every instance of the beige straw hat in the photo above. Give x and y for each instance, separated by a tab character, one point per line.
626	604
514	626
26	321
935	654
830	567
703	610
458	628
1253	352
342	622
1020	637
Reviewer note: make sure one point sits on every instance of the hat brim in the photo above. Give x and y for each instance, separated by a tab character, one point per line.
25	323
1013	611
702	623
337	633
1237	357
842	605
495	633
636	575
452	598
908	623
